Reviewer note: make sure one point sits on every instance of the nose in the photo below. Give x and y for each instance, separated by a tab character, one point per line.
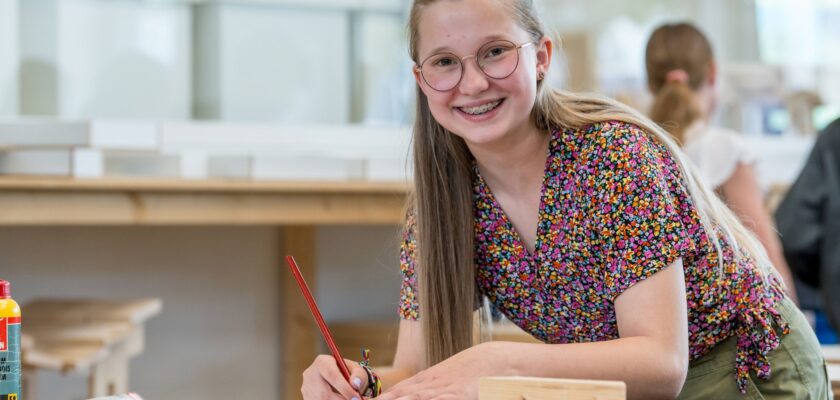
474	81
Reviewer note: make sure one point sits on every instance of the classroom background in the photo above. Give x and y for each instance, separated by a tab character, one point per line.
241	113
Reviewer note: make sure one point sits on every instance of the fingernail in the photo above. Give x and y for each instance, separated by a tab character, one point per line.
355	398
357	382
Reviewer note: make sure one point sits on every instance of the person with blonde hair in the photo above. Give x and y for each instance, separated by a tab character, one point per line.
682	75
580	220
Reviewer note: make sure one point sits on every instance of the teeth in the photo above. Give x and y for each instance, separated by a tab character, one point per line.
482	108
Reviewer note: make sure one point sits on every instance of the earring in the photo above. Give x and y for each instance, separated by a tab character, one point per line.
541	76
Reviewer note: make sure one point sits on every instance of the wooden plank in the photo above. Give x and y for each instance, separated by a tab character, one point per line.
74	311
519	388
205	206
104	333
62	357
12	183
299	329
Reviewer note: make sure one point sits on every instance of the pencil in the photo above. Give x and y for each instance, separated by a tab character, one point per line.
318	318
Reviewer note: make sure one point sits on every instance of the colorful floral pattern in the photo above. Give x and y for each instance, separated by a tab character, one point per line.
614	211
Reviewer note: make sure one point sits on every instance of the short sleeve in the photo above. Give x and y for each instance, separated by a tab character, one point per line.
716	154
408	289
636	219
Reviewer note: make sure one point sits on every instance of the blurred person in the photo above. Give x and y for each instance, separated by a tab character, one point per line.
682	75
809	222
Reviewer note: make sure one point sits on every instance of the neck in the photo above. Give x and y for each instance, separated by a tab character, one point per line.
515	162
706	97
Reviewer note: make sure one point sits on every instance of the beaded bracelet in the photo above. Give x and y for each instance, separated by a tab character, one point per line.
374	386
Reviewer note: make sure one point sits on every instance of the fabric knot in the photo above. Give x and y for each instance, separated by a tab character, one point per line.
757	337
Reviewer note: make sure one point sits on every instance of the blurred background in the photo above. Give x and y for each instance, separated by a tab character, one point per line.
250	64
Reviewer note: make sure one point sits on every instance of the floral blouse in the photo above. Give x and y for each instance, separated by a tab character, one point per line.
614	210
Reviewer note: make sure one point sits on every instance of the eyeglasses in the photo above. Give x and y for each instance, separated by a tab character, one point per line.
497	59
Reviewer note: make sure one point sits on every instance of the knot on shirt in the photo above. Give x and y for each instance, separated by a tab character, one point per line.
759	332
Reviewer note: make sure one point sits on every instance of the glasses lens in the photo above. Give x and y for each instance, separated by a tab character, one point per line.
442	71
498	59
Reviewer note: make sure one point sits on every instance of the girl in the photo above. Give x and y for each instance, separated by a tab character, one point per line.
577	217
682	76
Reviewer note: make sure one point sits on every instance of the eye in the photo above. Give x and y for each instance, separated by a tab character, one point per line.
444	62
495	51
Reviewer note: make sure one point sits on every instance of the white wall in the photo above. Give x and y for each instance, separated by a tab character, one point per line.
9	57
219	333
85	58
269	63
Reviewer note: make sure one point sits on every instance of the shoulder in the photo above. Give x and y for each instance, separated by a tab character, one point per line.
830	136
603	135
617	140
716	152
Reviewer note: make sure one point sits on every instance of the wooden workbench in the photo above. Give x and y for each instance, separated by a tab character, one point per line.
297	208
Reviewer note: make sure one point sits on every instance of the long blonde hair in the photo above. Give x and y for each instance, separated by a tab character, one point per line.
442	199
677	47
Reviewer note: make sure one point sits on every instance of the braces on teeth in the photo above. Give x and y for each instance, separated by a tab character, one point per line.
482	108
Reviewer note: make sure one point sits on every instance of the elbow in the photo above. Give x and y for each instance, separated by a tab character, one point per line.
673	374
676	377
666	379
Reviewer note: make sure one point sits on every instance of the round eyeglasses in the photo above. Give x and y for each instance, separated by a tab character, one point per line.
497	59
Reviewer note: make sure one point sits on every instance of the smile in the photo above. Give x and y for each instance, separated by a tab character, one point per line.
482	109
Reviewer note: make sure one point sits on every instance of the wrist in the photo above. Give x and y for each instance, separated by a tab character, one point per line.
497	356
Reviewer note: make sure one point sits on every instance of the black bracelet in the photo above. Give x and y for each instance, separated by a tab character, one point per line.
374	384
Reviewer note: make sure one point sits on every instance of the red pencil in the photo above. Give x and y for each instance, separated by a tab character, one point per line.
318	318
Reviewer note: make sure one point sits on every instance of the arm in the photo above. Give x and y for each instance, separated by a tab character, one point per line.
742	194
409	356
651	355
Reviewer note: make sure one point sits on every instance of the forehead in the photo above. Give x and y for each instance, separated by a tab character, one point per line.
464	25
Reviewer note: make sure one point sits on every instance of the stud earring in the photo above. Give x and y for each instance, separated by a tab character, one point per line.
541	76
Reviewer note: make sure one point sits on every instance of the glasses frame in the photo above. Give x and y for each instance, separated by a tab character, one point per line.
516	47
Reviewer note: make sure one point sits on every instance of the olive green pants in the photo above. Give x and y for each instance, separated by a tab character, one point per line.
797	368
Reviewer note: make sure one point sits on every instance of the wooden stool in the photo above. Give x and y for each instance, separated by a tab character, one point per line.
94	337
522	388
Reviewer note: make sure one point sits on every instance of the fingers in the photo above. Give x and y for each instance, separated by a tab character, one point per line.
315	387
358	376
323	380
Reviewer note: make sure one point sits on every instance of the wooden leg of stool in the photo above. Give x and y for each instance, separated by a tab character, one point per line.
107	377
110	376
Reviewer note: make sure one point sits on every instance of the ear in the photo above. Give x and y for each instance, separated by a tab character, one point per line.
418	78
712	77
545	47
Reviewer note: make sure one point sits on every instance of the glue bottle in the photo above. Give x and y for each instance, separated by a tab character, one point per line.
9	344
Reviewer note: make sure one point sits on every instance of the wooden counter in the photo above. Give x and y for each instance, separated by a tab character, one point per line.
297	208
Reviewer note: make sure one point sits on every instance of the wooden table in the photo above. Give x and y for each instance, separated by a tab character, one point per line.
296	207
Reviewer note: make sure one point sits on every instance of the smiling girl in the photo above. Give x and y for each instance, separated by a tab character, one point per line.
581	221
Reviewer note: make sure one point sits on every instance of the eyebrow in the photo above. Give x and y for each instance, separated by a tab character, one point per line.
486	39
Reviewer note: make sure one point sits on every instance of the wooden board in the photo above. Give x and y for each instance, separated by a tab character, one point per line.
61	357
104	333
184	202
135	311
522	388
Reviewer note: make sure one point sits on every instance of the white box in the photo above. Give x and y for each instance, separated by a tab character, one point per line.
79	163
100	134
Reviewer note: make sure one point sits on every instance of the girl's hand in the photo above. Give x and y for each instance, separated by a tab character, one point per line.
453	378
323	380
